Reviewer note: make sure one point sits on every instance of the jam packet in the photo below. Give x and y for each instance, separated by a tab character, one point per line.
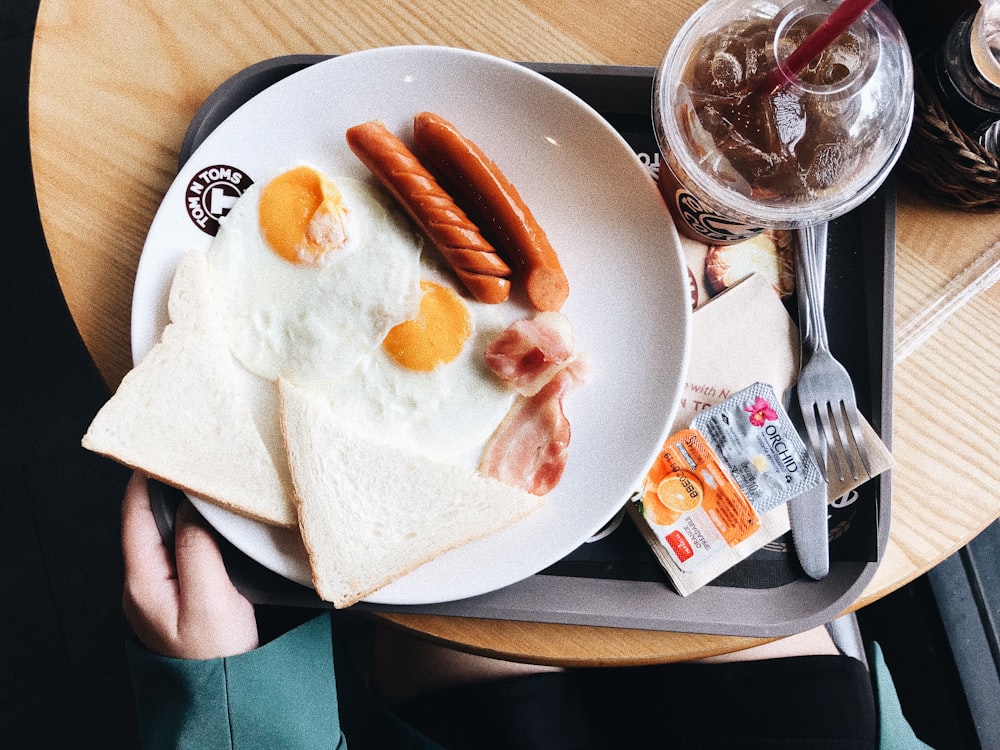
691	505
756	440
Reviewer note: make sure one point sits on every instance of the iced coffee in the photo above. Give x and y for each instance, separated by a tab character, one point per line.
748	146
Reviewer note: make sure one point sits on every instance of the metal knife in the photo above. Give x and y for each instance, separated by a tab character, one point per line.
807	513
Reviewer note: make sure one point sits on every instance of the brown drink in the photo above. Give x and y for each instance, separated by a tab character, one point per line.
742	155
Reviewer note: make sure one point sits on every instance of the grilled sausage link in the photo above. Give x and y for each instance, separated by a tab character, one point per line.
493	201
459	240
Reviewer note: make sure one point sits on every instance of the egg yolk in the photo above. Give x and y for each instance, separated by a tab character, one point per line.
436	335
302	214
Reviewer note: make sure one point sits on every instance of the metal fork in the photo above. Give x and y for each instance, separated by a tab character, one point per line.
824	388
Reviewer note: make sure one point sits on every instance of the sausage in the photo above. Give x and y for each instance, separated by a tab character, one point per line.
471	256
463	167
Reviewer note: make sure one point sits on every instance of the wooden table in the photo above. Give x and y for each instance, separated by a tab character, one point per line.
115	83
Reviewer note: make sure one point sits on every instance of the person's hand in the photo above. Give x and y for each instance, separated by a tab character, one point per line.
181	605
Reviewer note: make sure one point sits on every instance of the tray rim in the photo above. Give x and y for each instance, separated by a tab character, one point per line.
557	599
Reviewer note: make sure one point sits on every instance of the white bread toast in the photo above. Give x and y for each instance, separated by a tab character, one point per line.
370	513
179	417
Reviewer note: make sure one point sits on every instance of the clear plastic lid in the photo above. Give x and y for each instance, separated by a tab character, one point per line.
811	150
985	41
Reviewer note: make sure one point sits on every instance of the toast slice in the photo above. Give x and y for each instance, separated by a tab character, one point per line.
180	417
369	513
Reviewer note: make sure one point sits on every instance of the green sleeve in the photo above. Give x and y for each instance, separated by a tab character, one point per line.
281	695
894	730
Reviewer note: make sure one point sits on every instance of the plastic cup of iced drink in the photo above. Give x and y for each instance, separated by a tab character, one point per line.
741	156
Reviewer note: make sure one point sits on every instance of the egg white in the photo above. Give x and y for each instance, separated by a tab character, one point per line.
311	324
447	413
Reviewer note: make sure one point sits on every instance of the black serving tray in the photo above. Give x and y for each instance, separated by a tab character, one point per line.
616	581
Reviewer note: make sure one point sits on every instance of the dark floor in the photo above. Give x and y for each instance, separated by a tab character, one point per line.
64	682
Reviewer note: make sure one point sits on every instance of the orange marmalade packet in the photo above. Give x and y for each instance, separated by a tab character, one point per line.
691	504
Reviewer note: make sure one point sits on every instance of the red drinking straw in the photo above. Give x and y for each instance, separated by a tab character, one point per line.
833	26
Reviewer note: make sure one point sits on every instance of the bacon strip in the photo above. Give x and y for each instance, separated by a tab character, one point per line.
529	352
530	447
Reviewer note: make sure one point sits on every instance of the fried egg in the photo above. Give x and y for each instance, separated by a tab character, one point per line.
312	275
427	387
327	285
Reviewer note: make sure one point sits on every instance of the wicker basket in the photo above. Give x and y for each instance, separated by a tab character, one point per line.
946	161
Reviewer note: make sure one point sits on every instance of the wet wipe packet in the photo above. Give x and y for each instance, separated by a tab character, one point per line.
757	441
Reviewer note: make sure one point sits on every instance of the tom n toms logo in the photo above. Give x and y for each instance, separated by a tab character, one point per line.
211	193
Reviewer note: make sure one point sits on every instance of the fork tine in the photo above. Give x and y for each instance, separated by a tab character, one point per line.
858	434
845	456
834	441
817	440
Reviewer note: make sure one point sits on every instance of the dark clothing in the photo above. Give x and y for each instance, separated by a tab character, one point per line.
299	691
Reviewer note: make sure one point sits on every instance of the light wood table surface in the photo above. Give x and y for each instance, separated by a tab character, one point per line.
115	83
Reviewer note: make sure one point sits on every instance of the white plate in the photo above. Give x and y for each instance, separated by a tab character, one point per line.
601	210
